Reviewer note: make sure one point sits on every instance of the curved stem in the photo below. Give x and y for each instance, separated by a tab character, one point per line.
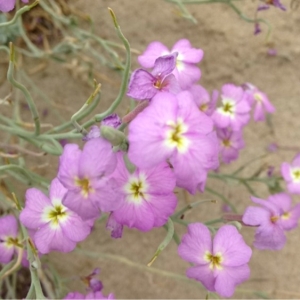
19	13
24	90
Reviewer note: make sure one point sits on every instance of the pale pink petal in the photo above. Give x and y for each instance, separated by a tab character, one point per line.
291	222
139	216
153	51
47	239
163	206
7	5
36	202
74	228
294	187
6	253
203	274
195	244
230	243
68	165
107	195
286	171
269	237
228	278
97	159
57	190
281	200
8	226
259	114
84	207
187	75
187	52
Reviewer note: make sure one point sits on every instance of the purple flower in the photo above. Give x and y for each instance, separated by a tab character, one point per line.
147	196
8	5
267	4
291	174
92	134
203	100
58	228
230	144
172	128
273	217
9	239
115	227
257	29
220	264
84	175
144	85
261	101
95	285
91	295
235	110
186	72
112	120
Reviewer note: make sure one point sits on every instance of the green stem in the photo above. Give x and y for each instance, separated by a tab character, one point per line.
125	78
188	207
165	242
89	101
19	13
88	110
24	90
33	266
256	20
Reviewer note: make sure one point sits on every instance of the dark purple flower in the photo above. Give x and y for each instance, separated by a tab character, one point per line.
257	29
144	85
112	120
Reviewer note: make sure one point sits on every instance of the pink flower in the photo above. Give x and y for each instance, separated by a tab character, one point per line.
203	100
9	238
235	110
8	5
84	175
291	174
58	228
186	71
261	101
275	216
231	142
172	128
144	85
220	264
147	196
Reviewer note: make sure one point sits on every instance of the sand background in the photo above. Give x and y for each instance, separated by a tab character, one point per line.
232	54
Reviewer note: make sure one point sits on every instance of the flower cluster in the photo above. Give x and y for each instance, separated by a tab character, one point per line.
173	141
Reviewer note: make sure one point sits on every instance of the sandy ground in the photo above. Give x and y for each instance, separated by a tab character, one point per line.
232	54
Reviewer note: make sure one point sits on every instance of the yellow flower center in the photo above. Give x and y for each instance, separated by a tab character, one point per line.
285	216
57	214
203	107
274	219
136	188
226	143
175	136
85	186
258	97
13	242
228	108
214	260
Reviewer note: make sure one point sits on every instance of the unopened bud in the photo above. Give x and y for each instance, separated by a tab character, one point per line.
114	136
